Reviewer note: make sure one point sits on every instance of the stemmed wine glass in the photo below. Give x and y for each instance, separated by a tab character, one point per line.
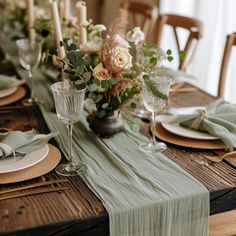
29	56
155	104
69	102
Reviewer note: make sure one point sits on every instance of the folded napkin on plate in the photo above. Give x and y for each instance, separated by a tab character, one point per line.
8	81
17	142
218	119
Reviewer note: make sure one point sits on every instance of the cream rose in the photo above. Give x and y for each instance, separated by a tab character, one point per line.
101	73
121	59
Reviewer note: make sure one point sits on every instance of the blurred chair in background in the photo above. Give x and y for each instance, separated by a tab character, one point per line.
193	26
139	14
230	42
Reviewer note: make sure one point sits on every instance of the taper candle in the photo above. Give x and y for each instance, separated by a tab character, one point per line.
57	28
81	20
30	14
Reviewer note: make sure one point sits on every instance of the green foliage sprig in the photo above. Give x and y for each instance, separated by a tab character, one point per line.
151	86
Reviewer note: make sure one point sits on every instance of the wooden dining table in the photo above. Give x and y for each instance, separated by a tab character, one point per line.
77	211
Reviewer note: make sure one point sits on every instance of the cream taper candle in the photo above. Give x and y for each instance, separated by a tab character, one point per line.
81	20
65	9
30	15
57	28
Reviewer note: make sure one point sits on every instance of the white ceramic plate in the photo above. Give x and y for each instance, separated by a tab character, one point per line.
21	162
7	92
177	129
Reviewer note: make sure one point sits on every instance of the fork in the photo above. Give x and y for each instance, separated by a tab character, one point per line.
17	192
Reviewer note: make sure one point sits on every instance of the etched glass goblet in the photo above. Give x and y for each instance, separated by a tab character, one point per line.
69	102
155	98
29	56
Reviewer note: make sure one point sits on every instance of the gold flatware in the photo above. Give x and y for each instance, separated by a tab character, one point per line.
221	157
35	191
34	185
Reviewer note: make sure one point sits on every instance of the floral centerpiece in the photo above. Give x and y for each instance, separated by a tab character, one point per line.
113	64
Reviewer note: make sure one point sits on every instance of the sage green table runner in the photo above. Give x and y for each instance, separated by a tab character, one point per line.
145	195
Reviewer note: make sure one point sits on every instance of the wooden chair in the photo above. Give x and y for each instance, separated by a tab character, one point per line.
140	14
193	26
230	42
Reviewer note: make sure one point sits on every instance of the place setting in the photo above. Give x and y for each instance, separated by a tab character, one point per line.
210	127
11	90
26	155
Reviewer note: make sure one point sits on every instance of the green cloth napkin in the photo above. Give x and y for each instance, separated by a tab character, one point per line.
217	119
7	81
17	142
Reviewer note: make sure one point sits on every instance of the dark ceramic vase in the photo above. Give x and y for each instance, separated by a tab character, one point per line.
105	127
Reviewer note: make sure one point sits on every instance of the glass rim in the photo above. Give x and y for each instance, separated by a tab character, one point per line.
54	89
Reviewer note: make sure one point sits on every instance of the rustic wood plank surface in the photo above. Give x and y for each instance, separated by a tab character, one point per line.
77	211
223	224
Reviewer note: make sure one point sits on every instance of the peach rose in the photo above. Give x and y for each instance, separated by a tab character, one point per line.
101	73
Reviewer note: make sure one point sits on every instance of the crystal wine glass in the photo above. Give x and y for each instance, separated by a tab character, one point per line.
69	102
29	56
155	104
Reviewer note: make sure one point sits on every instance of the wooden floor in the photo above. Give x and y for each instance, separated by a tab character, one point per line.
223	224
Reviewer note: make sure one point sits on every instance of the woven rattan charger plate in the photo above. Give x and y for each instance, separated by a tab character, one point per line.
166	136
19	94
39	169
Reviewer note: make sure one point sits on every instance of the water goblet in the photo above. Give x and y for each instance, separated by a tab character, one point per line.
29	56
155	104
69	102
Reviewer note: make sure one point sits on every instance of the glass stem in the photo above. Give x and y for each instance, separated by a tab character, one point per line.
153	126
31	84
71	163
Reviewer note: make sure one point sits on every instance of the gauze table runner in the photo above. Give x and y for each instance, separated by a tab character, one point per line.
145	195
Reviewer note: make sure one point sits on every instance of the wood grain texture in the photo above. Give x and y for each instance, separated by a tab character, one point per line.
223	224
77	211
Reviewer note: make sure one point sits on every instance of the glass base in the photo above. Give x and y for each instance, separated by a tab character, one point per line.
30	101
66	170
153	147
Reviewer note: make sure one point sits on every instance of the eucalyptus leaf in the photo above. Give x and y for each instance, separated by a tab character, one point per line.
92	96
105	84
96	81
87	75
92	87
79	70
81	86
79	62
